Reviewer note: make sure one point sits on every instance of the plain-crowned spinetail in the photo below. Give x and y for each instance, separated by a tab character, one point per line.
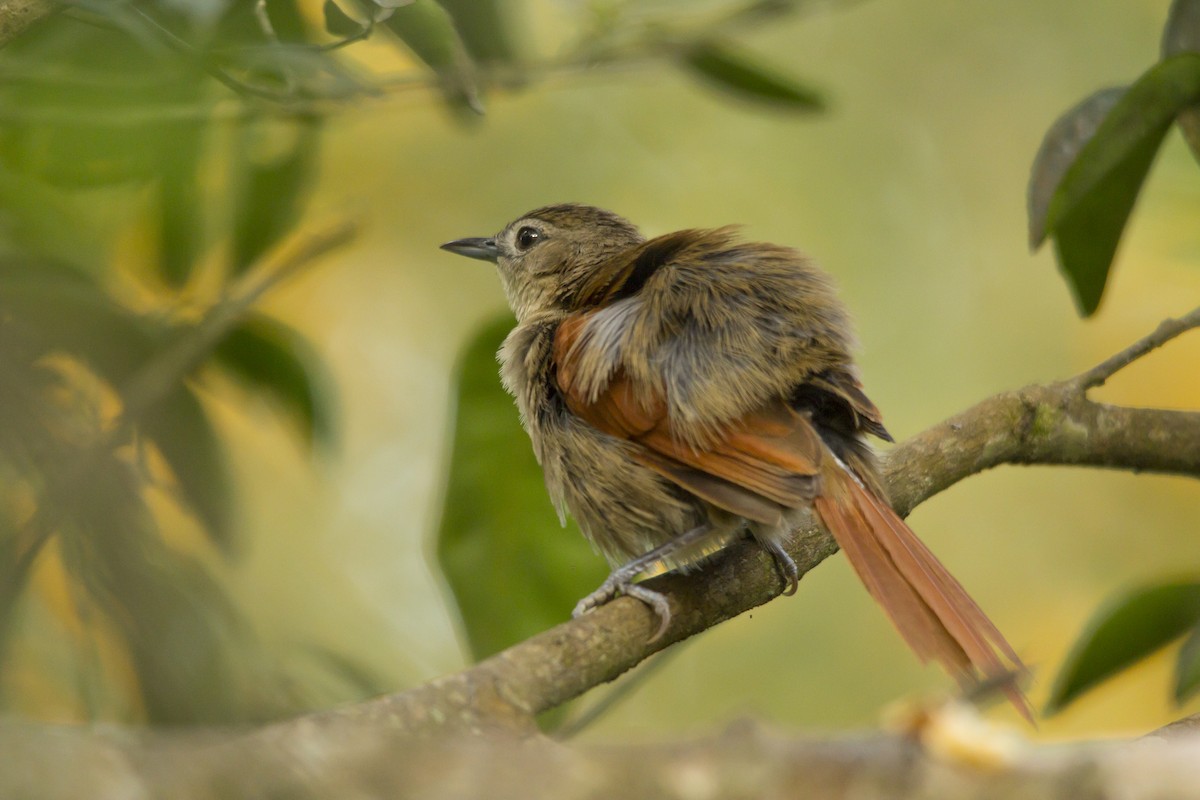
684	389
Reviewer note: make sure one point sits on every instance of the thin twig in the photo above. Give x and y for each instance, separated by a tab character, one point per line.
158	377
184	47
1165	332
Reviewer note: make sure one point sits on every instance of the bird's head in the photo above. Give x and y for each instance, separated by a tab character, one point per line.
547	255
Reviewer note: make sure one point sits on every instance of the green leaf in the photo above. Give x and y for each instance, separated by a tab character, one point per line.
1181	34
181	208
745	76
187	440
338	22
1187	669
1123	632
275	359
1060	147
430	33
512	569
485	29
276	162
1090	207
109	132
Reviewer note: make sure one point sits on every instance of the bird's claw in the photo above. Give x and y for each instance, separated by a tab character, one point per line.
611	588
785	567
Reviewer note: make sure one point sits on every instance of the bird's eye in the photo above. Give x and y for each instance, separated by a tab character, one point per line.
527	237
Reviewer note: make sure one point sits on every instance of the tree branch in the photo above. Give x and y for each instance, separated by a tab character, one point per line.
1052	424
374	744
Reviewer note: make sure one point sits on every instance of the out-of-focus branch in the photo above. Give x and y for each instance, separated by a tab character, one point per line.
745	761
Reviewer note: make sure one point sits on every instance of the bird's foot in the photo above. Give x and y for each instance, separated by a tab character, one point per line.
622	584
621	580
785	566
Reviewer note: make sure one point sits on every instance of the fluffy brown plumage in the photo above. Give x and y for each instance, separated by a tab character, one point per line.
682	389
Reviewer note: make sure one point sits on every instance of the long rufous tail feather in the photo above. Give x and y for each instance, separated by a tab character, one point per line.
930	609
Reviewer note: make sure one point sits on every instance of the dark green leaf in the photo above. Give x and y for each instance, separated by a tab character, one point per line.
512	569
181	208
745	76
1122	633
298	70
1187	670
1060	147
1181	34
275	359
1088	211
288	20
430	33
276	162
338	22
485	28
240	23
187	440
1086	240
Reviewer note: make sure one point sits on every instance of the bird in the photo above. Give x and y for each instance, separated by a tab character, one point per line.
683	391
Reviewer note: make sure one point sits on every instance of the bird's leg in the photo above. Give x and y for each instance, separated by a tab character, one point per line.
785	565
620	581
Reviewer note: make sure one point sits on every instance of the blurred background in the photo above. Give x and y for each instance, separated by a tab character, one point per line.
220	521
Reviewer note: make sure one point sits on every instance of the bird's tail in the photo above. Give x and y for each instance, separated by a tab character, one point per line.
932	611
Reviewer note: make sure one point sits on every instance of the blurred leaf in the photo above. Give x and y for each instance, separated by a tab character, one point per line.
430	33
275	359
125	19
187	440
181	207
64	311
1122	633
1089	208
512	569
276	161
240	23
75	317
1187	670
97	124
1060	147
338	22
25	443
288	20
193	656
1181	34
485	28
745	76
14	575
200	13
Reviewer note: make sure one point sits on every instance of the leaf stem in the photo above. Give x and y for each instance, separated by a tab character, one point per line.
1165	332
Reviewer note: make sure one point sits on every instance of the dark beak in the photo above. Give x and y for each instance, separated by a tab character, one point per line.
483	249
